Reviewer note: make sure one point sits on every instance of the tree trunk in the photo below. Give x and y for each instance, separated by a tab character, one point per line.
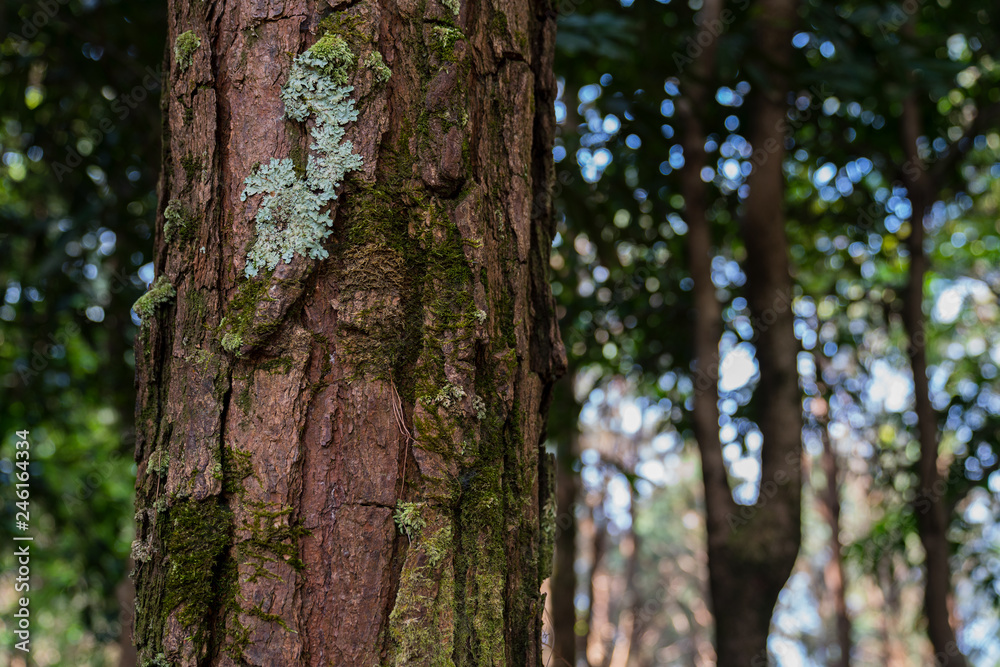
340	417
751	550
835	582
563	582
930	504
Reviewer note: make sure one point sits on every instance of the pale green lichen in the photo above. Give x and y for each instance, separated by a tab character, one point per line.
453	5
446	40
232	342
141	551
290	219
178	222
377	65
479	405
159	461
184	47
449	396
160	292
159	661
480	316
409	519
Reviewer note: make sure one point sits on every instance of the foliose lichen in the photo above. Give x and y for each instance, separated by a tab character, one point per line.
159	293
178	222
449	395
479	405
184	47
377	65
453	5
232	342
290	219
159	661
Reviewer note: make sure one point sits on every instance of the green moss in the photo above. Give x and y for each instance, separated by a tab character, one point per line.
184	47
446	38
377	65
240	325
439	546
159	461
382	263
159	660
336	55
348	26
281	365
200	532
231	342
498	26
179	223
408	519
274	538
200	357
193	166
236	467
160	292
422	619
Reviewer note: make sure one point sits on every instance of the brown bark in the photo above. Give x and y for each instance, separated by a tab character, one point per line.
829	497
930	504
125	594
563	582
407	374
751	551
834	572
596	608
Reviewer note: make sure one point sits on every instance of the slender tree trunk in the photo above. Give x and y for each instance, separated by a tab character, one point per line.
339	458
833	576
592	645
930	504
751	551
563	582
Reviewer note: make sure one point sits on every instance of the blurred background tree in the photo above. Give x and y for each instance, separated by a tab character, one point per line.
881	97
79	140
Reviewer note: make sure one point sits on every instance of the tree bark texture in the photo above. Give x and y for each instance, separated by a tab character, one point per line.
930	504
339	458
751	550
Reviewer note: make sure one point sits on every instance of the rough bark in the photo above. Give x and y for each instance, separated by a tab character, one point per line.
339	458
751	551
930	503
